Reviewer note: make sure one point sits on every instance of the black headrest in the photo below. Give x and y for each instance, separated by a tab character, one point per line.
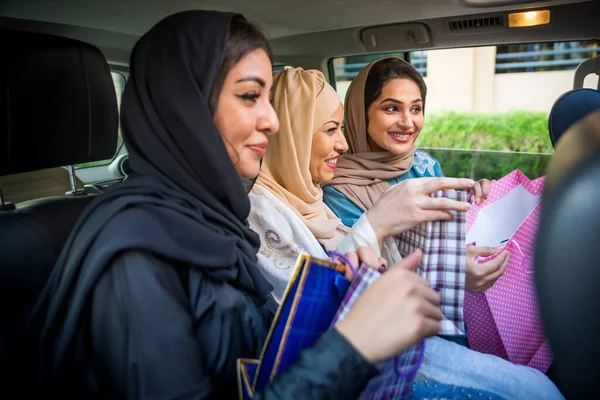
58	104
567	261
570	108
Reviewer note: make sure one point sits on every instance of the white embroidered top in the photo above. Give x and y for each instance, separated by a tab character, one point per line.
284	236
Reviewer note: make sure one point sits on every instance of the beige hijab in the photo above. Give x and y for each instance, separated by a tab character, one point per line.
303	101
362	175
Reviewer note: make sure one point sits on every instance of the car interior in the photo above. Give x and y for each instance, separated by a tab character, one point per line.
66	63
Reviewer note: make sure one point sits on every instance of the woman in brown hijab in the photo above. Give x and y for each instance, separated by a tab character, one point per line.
384	116
288	211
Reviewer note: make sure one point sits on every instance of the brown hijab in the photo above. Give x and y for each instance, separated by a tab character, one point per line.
303	101
362	175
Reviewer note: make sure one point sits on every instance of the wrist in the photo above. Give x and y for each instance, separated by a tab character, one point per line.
357	339
380	232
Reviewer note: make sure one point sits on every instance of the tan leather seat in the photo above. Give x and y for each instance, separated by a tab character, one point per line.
25	186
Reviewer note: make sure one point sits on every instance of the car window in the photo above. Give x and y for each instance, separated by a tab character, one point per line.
487	107
119	81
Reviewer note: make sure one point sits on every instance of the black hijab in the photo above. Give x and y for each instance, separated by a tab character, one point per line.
185	203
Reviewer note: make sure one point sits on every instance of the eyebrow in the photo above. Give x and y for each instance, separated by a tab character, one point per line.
253	79
398	101
332	122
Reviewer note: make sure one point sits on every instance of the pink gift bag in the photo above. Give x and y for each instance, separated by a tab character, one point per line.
505	320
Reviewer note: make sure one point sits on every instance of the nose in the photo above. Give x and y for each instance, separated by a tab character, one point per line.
341	145
268	123
405	120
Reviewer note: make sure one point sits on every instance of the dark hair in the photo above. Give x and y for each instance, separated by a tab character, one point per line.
242	38
386	70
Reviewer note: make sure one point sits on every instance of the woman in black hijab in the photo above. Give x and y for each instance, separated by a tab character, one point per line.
157	292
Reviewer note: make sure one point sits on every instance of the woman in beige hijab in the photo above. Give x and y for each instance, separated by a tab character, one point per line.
384	116
287	200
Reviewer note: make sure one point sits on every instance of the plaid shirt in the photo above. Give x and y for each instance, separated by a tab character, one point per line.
396	376
444	261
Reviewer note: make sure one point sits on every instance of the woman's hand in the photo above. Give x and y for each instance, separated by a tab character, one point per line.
481	277
394	313
364	255
481	190
409	204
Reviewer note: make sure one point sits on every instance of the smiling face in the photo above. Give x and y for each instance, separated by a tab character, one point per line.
243	115
328	143
395	119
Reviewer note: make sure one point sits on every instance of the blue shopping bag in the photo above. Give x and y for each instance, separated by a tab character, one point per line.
308	306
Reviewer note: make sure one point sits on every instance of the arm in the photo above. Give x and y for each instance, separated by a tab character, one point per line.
361	234
331	369
146	342
142	333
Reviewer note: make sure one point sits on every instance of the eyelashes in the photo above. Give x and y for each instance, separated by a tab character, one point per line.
249	96
395	109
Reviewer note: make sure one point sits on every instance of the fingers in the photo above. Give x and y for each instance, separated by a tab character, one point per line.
477	192
485	188
431	311
493	277
430	295
341	266
409	262
368	256
432	185
353	258
437	216
481	190
382	264
349	274
486	274
492	267
443	203
433	216
482	251
431	327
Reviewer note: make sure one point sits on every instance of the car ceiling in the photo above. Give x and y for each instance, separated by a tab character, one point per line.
278	17
115	25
